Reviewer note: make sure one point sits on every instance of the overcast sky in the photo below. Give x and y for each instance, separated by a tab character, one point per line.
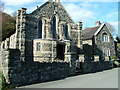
87	11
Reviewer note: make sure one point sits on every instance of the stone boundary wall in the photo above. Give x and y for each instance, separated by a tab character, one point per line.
95	64
91	67
9	60
39	72
19	73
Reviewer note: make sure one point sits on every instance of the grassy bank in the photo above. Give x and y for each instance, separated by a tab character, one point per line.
3	84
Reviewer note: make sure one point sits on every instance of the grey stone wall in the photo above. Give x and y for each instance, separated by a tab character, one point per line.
10	62
18	73
88	67
49	9
40	72
94	64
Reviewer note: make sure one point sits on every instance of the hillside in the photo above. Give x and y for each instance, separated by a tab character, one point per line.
8	25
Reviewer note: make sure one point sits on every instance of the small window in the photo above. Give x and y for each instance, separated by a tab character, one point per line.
38	46
105	37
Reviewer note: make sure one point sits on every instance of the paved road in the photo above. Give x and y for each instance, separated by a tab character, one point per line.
104	79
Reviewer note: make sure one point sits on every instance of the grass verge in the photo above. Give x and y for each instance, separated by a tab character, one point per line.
3	84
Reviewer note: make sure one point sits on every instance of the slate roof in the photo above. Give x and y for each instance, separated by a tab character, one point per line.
88	33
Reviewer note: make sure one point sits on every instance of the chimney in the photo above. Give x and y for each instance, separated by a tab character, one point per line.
57	1
79	25
98	22
37	7
23	10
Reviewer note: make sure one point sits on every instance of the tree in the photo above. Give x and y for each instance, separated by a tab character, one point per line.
1	6
111	27
8	25
14	14
118	39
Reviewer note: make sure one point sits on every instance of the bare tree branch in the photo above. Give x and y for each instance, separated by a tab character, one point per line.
111	27
14	14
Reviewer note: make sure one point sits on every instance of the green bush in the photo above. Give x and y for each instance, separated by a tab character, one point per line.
114	57
116	63
3	84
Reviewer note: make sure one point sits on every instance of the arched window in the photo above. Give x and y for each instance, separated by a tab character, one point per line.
105	37
54	27
40	29
66	31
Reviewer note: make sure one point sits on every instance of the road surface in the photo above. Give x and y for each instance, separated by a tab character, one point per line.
103	79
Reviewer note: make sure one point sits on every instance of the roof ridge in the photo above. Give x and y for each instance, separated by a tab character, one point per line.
92	27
